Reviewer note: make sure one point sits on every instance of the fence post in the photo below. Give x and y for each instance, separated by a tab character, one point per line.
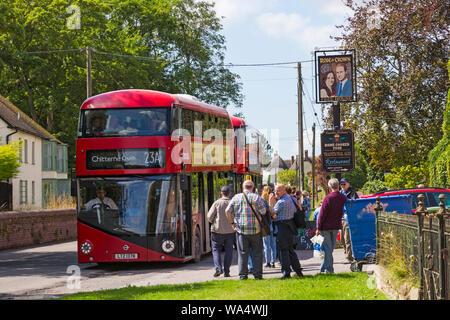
378	208
443	251
421	211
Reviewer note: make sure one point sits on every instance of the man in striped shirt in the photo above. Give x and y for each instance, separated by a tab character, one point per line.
248	229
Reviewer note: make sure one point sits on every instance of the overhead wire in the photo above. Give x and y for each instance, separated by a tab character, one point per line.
53	51
161	60
118	83
278	79
153	59
265	64
311	104
306	130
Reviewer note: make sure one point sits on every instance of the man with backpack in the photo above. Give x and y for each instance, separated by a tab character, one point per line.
284	209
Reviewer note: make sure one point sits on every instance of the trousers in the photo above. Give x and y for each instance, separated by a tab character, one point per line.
328	246
285	245
219	241
345	240
270	248
244	243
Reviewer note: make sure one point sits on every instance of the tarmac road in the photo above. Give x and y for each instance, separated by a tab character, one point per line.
47	271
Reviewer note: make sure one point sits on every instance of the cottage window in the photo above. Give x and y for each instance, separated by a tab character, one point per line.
23	191
47	156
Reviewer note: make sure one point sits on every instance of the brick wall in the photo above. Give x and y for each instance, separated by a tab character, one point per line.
25	228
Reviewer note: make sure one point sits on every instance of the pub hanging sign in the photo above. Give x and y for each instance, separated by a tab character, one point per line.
338	152
335	76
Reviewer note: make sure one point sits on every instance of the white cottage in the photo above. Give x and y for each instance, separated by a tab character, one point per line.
270	173
44	159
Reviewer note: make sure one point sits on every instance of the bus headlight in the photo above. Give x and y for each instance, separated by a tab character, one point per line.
168	246
86	247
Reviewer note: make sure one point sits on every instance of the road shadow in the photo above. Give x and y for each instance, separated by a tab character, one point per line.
304	254
29	264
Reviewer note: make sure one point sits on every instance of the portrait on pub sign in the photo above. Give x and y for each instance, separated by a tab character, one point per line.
336	78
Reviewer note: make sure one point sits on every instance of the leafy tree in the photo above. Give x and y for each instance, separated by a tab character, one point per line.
406	177
322	176
287	177
199	51
439	157
373	186
402	78
267	151
176	45
358	176
308	183
10	160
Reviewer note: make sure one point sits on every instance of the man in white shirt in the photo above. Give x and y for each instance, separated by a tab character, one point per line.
101	199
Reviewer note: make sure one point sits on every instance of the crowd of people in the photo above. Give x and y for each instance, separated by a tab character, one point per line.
234	222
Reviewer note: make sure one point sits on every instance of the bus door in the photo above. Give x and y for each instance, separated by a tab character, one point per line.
209	200
186	214
198	213
240	178
167	231
203	182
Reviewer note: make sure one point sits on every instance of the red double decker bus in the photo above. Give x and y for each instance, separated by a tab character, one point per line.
149	165
248	149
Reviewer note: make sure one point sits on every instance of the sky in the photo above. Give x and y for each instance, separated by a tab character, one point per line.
276	31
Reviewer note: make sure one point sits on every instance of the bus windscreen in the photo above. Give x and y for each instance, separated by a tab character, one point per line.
140	206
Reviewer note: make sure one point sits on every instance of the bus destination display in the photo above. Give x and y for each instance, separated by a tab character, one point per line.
125	159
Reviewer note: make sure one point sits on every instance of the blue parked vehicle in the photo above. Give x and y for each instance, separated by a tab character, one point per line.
361	221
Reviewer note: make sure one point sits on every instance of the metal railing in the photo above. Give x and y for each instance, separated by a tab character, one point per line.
422	241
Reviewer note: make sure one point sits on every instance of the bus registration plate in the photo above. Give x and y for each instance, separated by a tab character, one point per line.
125	256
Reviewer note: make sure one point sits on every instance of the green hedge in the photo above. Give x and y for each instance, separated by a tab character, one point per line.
439	157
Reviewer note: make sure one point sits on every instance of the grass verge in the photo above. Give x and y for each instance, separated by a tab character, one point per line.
340	286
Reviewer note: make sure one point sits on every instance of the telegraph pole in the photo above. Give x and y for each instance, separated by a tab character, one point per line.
300	127
337	115
88	72
337	125
313	165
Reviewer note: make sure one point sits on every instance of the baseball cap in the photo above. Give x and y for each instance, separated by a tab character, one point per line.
344	180
225	189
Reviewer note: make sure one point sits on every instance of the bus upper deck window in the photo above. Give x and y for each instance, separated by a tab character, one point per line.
125	122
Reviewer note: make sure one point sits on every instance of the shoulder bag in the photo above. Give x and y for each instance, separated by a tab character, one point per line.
265	228
299	217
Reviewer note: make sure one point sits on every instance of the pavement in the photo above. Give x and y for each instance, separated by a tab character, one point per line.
49	271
